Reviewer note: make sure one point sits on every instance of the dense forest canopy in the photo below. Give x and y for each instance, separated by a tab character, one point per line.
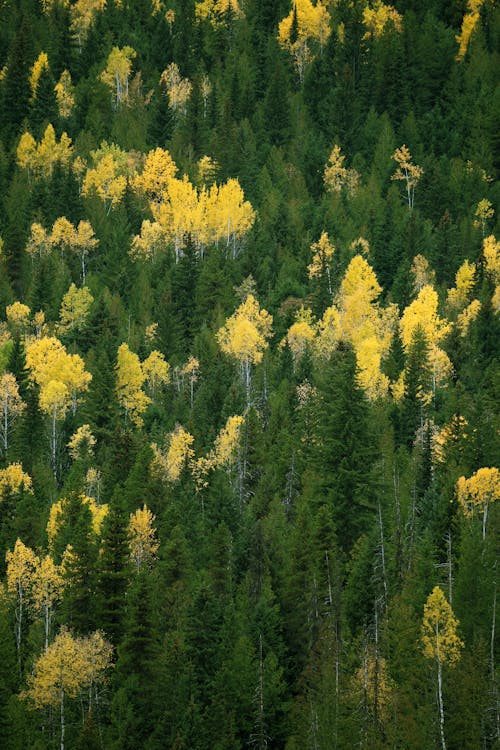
249	346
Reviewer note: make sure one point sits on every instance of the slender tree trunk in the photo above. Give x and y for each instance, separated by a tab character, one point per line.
485	518
440	700
63	726
382	552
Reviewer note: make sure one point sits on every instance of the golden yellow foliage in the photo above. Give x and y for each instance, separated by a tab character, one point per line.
448	436
14	480
82	14
373	680
206	170
65	95
408	172
481	489
379	17
458	296
170	462
68	666
222	455
129	381
147	244
159	168
106	179
423	312
82	442
312	21
57	509
40	65
469	23
143	542
336	176
301	333
40	159
21	566
218	11
39	242
178	88
11	405
245	334
61	376
423	275
117	72
18	314
465	318
156	371
75	307
439	630
491	254
323	251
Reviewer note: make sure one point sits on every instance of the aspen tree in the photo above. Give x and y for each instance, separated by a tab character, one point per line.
82	442
21	566
301	334
75	307
69	666
170	461
191	370
306	26
323	251
336	176
65	96
245	336
479	491
484	211
440	642
408	172
143	542
159	168
117	72
215	11
469	24
18	315
178	88
130	379
377	18
11	406
47	588
40	65
156	371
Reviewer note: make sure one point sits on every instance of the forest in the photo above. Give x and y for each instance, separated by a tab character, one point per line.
249	374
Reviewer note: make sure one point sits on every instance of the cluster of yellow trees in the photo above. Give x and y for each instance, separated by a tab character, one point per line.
181	212
177	453
69	666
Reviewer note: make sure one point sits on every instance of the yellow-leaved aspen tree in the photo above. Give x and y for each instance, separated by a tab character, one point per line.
130	378
323	251
191	370
301	334
69	666
143	542
47	588
479	491
170	461
245	336
75	307
21	567
117	72
156	371
65	95
18	315
440	642
11	406
408	172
